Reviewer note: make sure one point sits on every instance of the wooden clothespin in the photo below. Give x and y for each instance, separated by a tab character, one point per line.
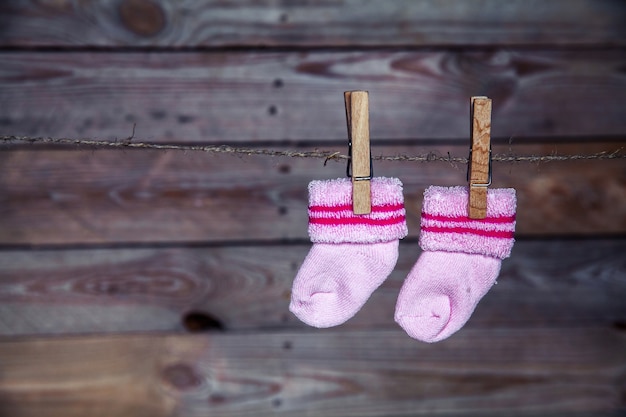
357	116
479	164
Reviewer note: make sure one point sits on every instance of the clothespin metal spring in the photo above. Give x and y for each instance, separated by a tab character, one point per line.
469	159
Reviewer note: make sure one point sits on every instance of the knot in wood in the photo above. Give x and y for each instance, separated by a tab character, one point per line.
142	17
181	376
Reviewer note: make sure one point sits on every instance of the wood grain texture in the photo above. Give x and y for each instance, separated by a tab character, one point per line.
544	284
129	250
188	23
338	373
292	96
118	196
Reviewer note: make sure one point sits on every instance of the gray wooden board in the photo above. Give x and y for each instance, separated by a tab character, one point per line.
544	284
223	97
354	23
496	371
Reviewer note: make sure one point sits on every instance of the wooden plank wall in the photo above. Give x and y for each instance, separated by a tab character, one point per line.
156	283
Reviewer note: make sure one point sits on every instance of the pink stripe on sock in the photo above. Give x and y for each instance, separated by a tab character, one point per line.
356	220
441	218
474	225
468	230
345	207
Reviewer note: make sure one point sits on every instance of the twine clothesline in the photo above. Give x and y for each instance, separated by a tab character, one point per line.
326	155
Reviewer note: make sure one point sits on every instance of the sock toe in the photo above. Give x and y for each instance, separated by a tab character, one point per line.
426	319
336	280
320	309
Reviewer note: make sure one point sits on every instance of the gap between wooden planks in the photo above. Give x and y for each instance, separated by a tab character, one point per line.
335	372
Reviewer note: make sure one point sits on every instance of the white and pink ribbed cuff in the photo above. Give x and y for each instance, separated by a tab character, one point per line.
445	225
331	219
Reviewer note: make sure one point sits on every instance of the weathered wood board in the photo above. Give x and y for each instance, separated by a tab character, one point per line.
130	196
377	372
345	23
544	284
224	97
109	258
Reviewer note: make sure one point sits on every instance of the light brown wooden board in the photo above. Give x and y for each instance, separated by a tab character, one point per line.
331	372
189	23
121	196
293	96
544	284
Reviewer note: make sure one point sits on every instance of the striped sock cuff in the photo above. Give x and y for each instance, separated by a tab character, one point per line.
445	225
331	219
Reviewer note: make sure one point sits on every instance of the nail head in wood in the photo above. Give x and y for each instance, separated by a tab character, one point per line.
357	111
480	110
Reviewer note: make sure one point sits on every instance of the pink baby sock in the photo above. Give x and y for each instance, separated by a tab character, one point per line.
351	254
460	262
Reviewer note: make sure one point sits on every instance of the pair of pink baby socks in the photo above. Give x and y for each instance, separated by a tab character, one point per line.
352	255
